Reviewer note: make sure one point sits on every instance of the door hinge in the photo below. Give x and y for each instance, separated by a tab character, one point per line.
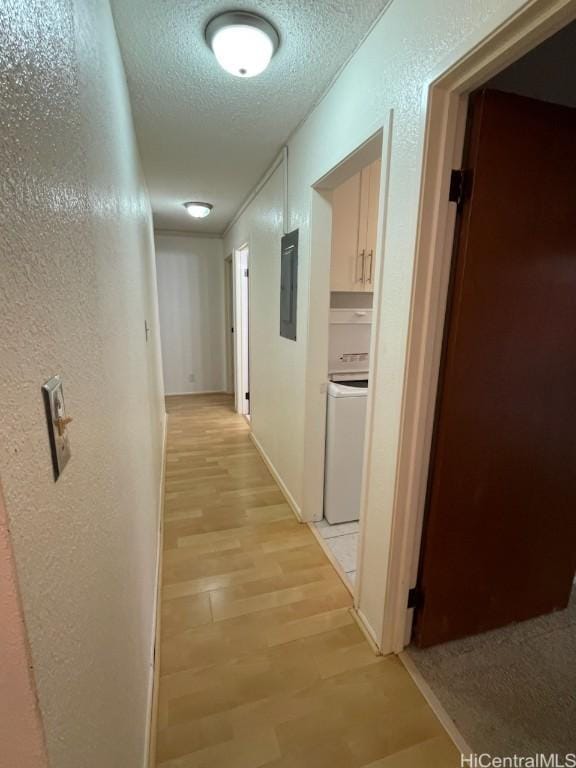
245	273
247	396
457	186
414	598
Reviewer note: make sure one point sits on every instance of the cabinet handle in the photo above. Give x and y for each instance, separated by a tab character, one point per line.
371	262
361	256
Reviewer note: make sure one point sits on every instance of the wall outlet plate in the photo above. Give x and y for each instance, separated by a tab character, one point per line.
56	418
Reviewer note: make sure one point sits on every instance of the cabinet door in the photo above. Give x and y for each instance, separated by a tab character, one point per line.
345	273
363	227
372	223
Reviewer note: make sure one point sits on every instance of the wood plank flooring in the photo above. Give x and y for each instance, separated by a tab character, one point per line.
261	662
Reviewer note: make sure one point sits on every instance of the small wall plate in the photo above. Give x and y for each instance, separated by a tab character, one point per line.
56	418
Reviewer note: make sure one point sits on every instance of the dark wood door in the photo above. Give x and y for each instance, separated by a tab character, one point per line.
499	541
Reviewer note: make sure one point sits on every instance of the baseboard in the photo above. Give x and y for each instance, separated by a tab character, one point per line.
359	617
285	492
154	680
448	724
197	392
367	631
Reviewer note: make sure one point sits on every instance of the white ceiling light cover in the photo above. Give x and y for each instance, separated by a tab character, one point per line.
198	210
243	43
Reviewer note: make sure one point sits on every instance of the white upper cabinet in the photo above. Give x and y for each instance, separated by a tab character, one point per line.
354	227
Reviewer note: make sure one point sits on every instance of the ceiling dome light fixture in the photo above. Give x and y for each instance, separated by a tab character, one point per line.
198	210
242	42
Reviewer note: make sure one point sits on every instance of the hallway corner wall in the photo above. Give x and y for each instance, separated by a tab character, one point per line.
277	364
190	275
77	284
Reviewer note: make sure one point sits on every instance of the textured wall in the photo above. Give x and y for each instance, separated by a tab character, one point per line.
21	734
190	274
276	368
76	284
413	43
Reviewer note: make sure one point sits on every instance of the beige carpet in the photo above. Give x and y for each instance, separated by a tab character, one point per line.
511	691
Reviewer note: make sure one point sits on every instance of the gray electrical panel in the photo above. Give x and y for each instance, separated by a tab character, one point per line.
289	285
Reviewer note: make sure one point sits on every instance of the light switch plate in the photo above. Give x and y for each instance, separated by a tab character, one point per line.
55	415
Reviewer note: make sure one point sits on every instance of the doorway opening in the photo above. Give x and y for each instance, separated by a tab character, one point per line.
229	323
241	300
345	229
497	557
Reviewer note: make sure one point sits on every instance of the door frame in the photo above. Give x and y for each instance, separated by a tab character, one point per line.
375	147
229	322
446	100
241	260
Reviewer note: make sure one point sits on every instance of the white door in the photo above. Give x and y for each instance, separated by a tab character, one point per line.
229	320
241	330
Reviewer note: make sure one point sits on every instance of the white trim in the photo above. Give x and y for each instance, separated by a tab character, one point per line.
367	630
318	302
241	301
187	233
435	705
251	195
518	34
198	392
285	202
364	154
383	201
358	616
274	472
229	322
410	494
154	673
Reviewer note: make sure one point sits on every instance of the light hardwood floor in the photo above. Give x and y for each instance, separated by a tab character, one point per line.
261	661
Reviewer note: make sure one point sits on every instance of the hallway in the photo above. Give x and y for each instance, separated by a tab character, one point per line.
262	663
202	198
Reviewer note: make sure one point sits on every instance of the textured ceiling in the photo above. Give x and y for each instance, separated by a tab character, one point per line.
204	134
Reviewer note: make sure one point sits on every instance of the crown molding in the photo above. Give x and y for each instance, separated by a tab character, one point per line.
187	233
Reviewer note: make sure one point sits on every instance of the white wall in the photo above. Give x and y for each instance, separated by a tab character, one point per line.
413	43
21	731
190	274
276	366
77	282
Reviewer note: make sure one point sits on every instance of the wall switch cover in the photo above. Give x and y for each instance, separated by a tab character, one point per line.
57	424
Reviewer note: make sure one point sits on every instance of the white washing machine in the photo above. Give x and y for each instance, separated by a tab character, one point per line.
345	430
346	413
